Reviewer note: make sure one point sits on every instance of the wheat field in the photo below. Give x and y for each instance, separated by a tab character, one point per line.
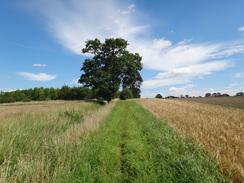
220	130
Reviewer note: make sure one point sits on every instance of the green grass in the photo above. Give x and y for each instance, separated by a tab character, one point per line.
134	146
131	146
29	151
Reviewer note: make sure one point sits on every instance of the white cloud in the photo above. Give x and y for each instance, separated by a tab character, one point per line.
241	29
233	85
239	75
160	43
174	72
185	74
39	65
37	77
188	90
74	22
131	8
157	83
184	55
149	94
180	91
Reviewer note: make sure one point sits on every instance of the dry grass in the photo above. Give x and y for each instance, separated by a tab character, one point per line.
41	142
237	102
20	107
90	124
219	129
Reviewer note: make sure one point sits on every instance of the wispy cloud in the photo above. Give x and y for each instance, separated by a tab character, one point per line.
180	91
37	77
73	22
130	9
39	65
186	74
239	75
241	29
157	83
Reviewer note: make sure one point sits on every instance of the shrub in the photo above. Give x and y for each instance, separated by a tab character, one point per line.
159	96
126	94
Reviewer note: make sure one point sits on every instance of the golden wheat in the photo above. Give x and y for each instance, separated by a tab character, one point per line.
219	129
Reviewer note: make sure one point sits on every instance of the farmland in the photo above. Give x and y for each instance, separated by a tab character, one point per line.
218	129
75	141
237	102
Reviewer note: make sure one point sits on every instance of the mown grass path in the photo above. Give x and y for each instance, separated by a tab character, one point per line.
134	146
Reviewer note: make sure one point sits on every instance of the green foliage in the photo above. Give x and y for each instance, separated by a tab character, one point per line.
112	66
42	94
126	94
158	96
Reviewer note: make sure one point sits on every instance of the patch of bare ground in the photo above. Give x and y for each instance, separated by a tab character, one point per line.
220	130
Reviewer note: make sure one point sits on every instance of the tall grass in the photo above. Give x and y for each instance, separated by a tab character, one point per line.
218	129
70	144
134	146
28	145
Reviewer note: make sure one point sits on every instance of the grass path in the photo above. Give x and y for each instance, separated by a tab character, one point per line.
134	146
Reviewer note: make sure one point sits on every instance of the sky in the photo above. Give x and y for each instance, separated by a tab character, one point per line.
189	47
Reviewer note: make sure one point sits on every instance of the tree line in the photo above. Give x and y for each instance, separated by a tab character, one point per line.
64	93
42	94
206	95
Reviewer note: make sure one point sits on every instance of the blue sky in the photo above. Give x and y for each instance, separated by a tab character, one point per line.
188	47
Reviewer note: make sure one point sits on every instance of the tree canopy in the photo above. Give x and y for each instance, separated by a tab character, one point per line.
111	67
158	96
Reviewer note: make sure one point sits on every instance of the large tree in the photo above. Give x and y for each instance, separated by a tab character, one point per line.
111	67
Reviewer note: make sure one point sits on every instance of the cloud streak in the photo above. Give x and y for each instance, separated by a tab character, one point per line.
73	22
37	77
39	65
241	29
239	75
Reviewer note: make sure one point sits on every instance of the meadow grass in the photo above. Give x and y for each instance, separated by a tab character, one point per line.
218	129
132	145
84	142
28	152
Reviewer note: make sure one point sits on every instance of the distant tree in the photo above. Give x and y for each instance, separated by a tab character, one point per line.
53	93
218	94
65	93
117	94
208	95
158	96
112	66
126	94
225	95
240	94
136	92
